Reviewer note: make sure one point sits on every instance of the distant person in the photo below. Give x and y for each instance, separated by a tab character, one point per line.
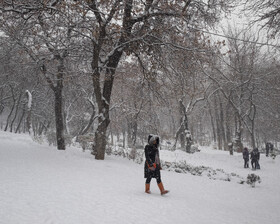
267	147
230	147
152	164
246	157
258	159
255	157
271	147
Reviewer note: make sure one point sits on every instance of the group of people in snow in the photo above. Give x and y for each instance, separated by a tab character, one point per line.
152	163
255	157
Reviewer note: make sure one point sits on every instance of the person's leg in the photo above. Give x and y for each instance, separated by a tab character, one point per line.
158	179
257	165
161	188
160	185
147	185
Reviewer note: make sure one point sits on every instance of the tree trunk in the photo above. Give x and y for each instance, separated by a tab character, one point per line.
100	134
219	138
228	130
103	95
188	135
58	100
129	132
59	119
29	105
252	132
183	129
9	116
134	129
100	143
222	124
11	112
238	134
1	104
186	131
41	128
112	135
124	138
182	134
182	138
21	119
253	136
103	100
90	123
212	122
16	112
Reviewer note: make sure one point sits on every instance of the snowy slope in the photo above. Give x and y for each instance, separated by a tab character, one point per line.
39	184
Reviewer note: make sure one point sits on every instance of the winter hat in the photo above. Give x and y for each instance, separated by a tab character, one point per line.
152	138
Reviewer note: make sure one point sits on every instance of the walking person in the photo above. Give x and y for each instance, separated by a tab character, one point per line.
246	157
152	164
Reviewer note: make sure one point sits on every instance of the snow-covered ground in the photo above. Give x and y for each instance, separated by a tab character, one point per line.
39	184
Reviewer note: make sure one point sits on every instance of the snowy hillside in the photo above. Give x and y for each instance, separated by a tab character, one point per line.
40	184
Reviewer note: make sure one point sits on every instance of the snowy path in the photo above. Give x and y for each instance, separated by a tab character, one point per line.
41	185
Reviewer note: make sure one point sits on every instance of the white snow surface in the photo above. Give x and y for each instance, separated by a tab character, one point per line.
39	184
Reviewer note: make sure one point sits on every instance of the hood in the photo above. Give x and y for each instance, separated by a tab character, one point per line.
152	138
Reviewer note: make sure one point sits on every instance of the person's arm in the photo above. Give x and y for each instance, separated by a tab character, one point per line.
148	158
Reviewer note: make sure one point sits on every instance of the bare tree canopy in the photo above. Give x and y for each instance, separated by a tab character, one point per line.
126	68
267	12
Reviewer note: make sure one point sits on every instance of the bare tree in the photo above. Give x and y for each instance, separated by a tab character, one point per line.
267	14
242	82
42	29
120	27
51	32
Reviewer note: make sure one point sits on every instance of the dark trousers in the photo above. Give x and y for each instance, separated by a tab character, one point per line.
246	165
157	176
255	164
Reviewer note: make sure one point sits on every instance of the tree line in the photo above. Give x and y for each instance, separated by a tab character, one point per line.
128	68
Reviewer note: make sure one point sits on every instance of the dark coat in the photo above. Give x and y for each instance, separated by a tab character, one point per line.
271	147
150	154
246	154
255	155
